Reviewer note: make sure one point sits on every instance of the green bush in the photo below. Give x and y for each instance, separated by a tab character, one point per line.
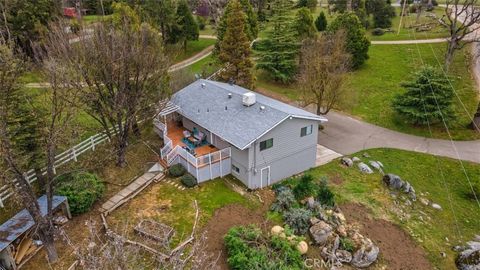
378	32
188	180
298	219
284	201
202	22
325	196
248	248
176	170
347	244
82	190
305	187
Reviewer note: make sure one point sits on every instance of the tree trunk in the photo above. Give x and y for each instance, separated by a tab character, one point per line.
45	232
122	151
136	129
475	124
451	47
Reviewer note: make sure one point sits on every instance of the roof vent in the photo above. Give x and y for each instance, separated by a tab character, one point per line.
262	108
204	85
248	99
229	95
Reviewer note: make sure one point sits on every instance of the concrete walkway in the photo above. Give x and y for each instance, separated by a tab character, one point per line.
346	135
325	155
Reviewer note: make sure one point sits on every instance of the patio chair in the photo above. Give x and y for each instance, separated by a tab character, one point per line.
200	136
186	134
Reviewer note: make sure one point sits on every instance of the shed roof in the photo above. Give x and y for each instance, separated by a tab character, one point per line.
208	104
23	221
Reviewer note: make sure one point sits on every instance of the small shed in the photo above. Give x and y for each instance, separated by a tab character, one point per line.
17	245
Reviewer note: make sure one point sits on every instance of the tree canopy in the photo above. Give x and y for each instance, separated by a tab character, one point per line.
304	24
357	42
186	27
321	22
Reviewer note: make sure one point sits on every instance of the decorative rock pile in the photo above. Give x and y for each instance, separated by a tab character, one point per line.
395	182
327	232
349	162
469	256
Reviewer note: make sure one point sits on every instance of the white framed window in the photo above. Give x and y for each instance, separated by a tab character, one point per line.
235	169
264	145
306	131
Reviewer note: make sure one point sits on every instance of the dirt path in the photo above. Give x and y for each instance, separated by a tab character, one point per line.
397	248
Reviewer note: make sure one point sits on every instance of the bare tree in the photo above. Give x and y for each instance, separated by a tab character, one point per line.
324	62
54	116
216	9
462	20
119	72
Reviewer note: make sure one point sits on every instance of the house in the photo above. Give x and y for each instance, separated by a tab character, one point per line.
215	129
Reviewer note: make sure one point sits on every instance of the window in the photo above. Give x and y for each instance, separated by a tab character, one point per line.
235	169
266	144
306	131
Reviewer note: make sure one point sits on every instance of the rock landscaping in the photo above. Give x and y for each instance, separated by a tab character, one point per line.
469	255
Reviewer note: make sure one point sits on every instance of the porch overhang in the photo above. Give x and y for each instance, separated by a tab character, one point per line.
167	108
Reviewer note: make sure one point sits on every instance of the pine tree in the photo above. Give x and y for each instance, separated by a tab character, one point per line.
278	51
321	22
235	48
252	23
186	28
428	99
304	24
357	42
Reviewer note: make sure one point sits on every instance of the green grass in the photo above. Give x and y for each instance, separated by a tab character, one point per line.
441	179
193	48
209	30
207	65
407	33
88	19
369	91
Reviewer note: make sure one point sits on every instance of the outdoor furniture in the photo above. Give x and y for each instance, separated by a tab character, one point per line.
200	136
186	134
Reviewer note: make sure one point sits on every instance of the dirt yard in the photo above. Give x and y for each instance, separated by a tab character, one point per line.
235	215
397	248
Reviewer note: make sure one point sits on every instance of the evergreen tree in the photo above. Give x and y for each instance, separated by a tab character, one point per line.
160	14
428	99
321	22
186	27
357	42
252	23
383	14
304	24
235	48
311	4
278	51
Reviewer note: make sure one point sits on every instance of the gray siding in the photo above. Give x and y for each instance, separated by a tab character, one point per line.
290	154
240	160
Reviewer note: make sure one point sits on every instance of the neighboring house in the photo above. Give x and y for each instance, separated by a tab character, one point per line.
215	128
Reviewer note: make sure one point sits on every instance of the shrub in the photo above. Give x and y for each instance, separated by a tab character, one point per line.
321	22
378	32
188	180
176	170
325	196
298	219
347	244
284	201
82	190
428	98
248	248
202	22
305	187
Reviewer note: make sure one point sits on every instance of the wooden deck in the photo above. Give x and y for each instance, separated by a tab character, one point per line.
175	133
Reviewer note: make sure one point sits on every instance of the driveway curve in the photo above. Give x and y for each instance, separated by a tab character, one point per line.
347	135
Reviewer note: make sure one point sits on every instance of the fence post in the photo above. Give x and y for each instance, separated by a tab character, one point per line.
92	142
221	169
74	153
210	165
1	202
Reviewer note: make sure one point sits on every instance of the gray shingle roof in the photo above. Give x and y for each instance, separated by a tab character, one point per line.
211	108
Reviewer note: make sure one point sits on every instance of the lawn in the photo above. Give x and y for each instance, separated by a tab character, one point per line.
406	32
441	180
369	91
193	47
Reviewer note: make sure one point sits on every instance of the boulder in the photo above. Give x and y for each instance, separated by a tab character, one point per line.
365	255
375	165
343	256
342	231
364	168
320	232
356	159
436	206
338	218
393	181
347	161
469	257
276	230
310	202
366	155
314	220
302	247
424	201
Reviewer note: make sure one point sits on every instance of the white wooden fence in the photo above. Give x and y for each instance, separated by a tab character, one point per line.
60	159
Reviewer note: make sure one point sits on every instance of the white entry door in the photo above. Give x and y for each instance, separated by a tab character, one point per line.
265	177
